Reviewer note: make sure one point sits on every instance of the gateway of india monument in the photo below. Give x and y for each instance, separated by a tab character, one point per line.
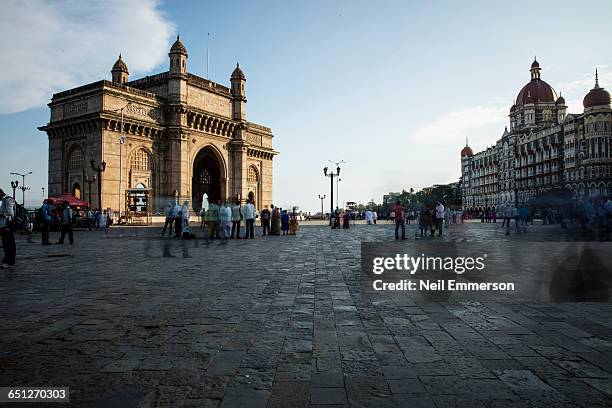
174	135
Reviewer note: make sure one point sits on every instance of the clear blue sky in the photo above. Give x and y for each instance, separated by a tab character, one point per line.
392	88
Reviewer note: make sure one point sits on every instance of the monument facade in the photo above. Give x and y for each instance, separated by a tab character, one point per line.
176	134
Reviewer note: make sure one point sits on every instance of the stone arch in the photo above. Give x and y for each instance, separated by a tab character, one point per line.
208	175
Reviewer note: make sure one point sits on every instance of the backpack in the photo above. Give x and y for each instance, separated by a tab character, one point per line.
265	215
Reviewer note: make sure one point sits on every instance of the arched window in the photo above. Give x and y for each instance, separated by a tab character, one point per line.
252	175
141	160
76	159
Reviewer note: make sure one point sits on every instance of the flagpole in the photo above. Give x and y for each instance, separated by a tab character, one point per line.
207	56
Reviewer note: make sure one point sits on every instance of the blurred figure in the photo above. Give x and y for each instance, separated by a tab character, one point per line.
369	217
7	213
225	220
170	215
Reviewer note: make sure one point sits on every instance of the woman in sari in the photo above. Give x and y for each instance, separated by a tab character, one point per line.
276	222
293	223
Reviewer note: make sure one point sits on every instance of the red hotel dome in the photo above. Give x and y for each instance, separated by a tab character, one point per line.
596	96
467	152
536	90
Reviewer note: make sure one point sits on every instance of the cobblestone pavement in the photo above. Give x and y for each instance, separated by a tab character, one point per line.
280	322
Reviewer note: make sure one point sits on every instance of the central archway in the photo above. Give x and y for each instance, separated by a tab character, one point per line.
206	178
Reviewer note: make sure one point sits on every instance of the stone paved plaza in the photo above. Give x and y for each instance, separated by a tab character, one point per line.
280	322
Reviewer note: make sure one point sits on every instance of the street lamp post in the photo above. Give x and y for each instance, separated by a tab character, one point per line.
121	143
99	168
43	190
338	202
14	184
23	187
322	197
90	180
331	176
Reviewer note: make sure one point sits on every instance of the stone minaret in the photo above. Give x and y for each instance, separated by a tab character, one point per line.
120	71
177	84
238	81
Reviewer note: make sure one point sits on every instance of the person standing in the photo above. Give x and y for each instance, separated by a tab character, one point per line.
90	219
7	213
276	222
293	222
213	220
369	217
265	221
439	217
374	216
225	216
46	219
399	220
424	218
249	216
67	215
236	219
285	222
346	220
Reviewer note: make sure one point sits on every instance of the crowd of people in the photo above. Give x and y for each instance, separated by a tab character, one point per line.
225	220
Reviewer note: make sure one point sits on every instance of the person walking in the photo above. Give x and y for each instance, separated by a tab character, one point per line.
399	220
67	215
439	217
248	211
523	214
374	216
7	213
236	219
46	219
265	221
170	215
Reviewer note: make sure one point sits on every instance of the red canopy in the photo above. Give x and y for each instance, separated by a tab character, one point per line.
72	200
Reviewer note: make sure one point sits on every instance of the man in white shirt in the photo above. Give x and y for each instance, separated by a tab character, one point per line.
225	215
248	211
439	217
368	216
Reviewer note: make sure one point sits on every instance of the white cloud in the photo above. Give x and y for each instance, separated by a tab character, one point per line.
49	46
475	122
